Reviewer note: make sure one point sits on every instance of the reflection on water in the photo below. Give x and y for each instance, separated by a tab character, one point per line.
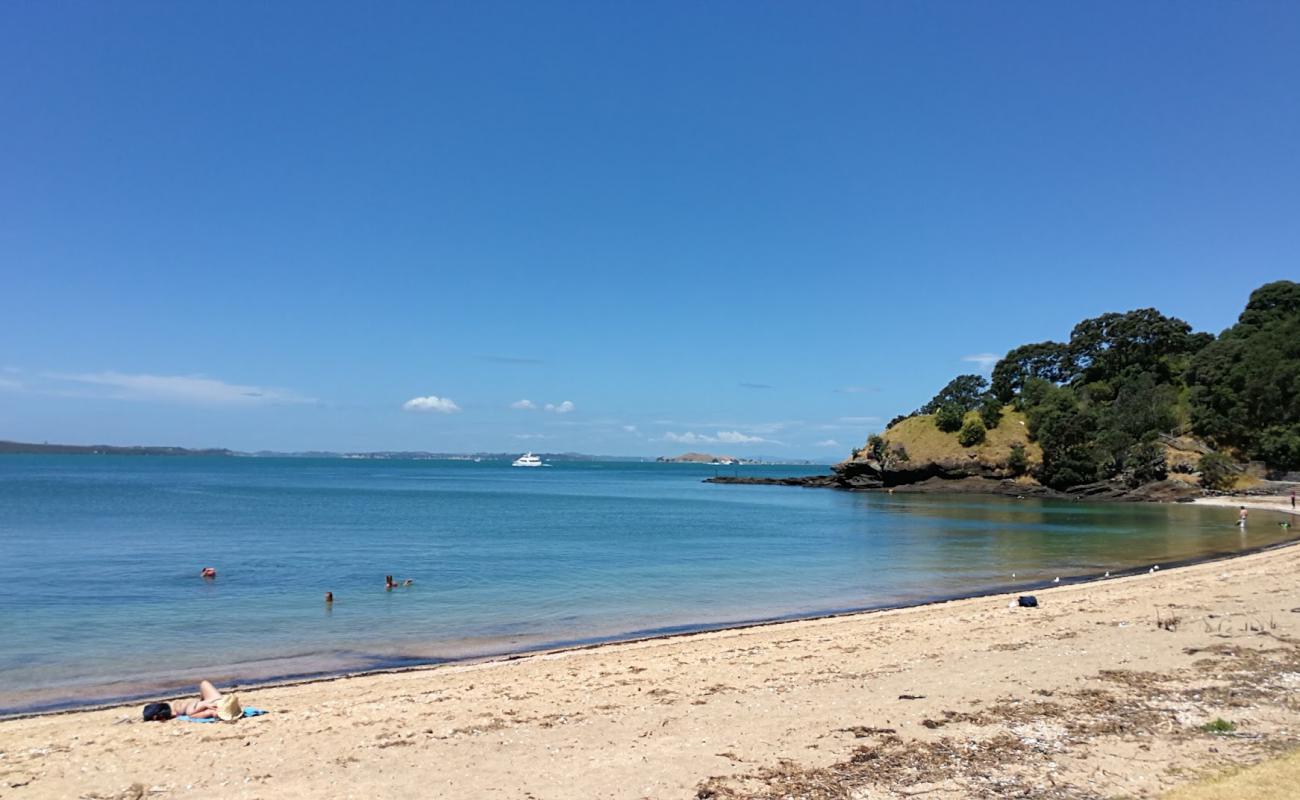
99	560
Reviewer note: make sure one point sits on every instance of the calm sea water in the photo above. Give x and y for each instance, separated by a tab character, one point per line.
100	594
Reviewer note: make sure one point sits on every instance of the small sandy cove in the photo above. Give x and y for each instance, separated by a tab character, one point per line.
1101	691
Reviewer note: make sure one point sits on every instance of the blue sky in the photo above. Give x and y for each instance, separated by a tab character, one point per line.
730	226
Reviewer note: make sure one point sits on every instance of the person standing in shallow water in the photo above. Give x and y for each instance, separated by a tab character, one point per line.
1241	517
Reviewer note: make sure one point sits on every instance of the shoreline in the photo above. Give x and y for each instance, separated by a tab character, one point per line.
663	633
955	699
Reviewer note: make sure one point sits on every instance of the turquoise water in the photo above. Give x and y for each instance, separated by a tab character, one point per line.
100	594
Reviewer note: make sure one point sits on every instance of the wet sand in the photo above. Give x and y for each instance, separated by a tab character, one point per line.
1102	690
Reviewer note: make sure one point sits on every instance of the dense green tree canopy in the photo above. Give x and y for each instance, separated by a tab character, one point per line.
1245	387
964	391
1098	403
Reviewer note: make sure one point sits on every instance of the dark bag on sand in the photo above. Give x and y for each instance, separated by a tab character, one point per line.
157	712
1028	601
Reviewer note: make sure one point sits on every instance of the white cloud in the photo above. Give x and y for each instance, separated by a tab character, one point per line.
524	405
531	436
7	383
725	437
442	405
687	438
562	408
630	428
180	388
985	360
759	427
736	437
828	443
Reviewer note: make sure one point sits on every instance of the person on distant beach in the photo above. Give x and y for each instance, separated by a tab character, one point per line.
209	573
210	703
1241	517
1293	499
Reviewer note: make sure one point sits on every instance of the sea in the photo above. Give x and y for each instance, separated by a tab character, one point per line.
101	598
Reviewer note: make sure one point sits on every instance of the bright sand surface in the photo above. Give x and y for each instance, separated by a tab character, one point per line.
1085	696
1276	502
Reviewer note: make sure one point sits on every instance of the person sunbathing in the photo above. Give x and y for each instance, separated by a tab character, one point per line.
210	703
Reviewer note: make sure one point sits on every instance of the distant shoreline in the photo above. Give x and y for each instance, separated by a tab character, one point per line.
33	448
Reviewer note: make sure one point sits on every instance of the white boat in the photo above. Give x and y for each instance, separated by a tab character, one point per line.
527	460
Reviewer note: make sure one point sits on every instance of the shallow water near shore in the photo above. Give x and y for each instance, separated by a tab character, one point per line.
100	594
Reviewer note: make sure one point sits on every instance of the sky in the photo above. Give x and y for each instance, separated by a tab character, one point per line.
619	228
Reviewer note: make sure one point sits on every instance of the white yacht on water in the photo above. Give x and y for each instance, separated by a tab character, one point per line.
527	460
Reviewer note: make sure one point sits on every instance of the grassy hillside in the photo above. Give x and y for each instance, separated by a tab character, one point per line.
925	442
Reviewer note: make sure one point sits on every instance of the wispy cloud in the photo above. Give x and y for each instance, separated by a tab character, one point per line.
524	405
511	359
754	427
859	420
828	443
531	436
563	408
630	428
745	385
431	403
985	360
10	383
722	437
195	389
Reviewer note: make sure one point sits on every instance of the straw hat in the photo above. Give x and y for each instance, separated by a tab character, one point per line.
228	708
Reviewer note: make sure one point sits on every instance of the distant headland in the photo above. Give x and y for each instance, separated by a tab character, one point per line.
1134	406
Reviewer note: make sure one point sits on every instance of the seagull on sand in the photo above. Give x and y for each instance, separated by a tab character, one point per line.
1057	579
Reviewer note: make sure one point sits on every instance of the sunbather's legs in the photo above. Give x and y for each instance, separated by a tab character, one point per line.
207	691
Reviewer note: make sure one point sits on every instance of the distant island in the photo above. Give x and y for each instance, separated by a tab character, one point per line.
44	448
1134	406
698	458
709	458
7	448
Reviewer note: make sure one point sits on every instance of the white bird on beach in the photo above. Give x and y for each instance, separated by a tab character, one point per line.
1107	575
1057	579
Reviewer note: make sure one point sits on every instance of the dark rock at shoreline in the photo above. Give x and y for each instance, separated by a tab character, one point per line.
1166	491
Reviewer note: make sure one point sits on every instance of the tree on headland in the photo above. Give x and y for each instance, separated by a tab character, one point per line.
1216	471
1245	387
948	417
972	432
1102	405
1049	361
965	392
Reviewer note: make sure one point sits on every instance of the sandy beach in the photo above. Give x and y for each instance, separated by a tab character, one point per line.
1103	690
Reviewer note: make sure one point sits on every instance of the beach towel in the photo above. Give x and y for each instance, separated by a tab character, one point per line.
249	711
